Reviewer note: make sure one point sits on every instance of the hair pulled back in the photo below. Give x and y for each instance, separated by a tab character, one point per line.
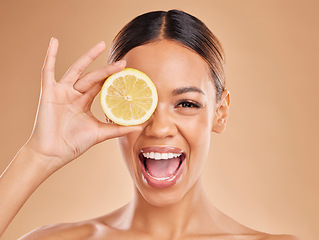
177	26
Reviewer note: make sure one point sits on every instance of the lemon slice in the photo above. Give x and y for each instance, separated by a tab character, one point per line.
128	97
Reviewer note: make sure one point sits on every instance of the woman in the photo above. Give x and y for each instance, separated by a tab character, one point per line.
185	62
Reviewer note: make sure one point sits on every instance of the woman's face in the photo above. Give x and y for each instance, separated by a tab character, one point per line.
166	158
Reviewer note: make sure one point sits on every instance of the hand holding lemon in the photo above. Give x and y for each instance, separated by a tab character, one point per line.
65	127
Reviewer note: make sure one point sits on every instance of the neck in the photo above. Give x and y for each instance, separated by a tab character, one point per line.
193	213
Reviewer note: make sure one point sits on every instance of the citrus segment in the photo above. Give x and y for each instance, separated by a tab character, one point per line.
128	97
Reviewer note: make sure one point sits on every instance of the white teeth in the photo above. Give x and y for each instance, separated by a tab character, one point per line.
159	156
164	155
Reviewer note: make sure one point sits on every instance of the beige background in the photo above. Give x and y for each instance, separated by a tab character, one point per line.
263	171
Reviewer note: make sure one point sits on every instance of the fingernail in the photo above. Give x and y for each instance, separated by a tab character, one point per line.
121	62
101	43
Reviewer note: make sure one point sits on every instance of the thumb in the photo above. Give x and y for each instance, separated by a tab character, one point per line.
108	131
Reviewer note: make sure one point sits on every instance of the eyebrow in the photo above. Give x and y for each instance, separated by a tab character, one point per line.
182	90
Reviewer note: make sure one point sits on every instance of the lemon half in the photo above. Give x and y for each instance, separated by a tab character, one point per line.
129	97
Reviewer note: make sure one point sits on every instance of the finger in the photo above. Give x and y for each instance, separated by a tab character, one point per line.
108	131
86	100
82	63
91	79
49	62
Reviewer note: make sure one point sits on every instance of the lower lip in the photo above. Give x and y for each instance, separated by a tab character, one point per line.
165	182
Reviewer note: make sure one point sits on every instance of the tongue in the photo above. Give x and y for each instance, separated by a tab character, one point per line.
162	168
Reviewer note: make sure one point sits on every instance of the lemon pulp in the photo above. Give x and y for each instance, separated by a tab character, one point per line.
129	97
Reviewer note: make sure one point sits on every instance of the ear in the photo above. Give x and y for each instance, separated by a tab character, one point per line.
221	113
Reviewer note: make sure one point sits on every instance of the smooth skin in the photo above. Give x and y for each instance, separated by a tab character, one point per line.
183	119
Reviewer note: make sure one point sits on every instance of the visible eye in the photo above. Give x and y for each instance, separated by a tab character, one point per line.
188	104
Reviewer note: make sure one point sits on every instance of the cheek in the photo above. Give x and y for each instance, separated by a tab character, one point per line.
197	132
197	129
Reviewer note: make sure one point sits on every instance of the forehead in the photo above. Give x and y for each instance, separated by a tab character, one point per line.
170	64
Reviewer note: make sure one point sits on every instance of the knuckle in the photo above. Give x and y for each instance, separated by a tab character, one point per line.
76	70
90	57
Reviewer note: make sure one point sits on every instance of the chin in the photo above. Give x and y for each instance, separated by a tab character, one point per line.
164	197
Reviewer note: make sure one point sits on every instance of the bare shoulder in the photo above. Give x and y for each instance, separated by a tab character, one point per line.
67	231
280	237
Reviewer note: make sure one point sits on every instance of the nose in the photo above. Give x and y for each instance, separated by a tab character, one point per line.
161	124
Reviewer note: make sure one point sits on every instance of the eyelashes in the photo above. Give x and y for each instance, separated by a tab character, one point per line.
188	104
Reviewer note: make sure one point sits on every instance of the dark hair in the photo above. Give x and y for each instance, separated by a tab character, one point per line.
177	26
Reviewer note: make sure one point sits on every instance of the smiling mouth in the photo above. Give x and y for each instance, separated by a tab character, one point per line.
163	167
